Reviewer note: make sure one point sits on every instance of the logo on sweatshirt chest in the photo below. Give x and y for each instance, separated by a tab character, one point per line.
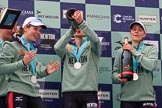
73	60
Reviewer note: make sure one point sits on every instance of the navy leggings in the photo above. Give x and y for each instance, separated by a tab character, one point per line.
17	100
85	99
141	104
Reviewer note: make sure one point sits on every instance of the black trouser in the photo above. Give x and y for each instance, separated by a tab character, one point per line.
3	102
141	104
83	99
17	100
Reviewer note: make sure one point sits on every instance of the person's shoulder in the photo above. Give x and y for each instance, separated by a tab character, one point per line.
11	43
150	46
118	51
7	43
118	48
8	47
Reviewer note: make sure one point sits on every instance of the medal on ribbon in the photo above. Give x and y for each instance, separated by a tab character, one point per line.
77	65
77	53
34	79
135	76
135	63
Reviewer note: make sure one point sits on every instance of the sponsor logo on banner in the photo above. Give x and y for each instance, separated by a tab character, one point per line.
104	95
148	18
121	18
49	93
103	43
105	38
40	15
47	40
98	17
47	36
118	18
47	45
27	12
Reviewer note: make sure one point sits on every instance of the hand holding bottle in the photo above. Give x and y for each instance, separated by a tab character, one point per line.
78	17
127	47
122	80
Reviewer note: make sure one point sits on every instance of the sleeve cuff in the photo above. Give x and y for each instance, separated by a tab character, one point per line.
21	63
46	72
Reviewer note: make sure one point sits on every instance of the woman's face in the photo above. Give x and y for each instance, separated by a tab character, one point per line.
137	33
32	33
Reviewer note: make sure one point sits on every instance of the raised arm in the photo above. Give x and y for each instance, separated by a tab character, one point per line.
62	42
43	70
92	36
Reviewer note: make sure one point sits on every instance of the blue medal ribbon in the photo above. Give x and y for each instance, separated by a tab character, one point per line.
77	52
135	62
29	47
1	41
